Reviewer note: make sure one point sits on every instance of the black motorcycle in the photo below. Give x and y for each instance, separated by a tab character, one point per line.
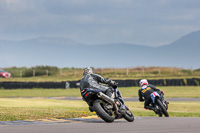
159	102
108	108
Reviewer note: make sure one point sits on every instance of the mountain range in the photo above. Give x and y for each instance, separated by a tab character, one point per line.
63	52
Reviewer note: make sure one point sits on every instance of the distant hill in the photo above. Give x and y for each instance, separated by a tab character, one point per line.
63	52
184	52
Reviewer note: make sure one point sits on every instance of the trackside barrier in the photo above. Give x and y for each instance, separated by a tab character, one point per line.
76	84
45	85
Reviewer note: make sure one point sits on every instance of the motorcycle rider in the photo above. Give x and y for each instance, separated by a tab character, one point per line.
92	80
144	94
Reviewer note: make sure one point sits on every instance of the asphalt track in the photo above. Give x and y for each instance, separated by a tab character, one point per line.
96	125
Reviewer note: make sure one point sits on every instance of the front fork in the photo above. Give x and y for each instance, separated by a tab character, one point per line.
165	103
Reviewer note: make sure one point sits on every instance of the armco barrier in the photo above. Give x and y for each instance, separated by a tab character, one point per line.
159	82
76	84
193	82
175	82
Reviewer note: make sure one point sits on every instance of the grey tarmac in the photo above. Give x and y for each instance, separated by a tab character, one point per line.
81	125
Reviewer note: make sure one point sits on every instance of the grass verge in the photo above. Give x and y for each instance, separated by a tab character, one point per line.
23	109
176	109
170	92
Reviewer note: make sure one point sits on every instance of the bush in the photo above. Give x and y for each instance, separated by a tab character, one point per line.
16	72
41	71
186	71
155	72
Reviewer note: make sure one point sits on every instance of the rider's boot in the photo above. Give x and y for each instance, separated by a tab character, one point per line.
156	109
91	109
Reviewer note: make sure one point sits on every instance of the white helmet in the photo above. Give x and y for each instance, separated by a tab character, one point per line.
143	82
88	70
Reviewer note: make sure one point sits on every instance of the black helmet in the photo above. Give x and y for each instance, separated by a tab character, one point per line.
88	70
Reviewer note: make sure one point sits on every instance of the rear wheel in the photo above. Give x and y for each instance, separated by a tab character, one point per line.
129	116
162	108
106	115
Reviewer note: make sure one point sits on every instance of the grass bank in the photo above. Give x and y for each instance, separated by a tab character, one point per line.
176	109
38	108
170	92
23	109
180	91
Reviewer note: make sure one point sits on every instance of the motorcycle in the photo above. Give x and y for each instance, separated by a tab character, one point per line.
108	108
159	102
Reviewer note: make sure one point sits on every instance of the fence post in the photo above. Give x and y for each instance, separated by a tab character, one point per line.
127	71
47	72
20	73
159	71
74	71
142	71
33	73
175	71
60	72
191	70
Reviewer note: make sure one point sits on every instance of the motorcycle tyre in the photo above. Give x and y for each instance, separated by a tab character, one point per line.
162	108
101	112
128	117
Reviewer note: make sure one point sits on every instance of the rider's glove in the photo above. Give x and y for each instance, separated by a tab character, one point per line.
141	99
113	83
108	80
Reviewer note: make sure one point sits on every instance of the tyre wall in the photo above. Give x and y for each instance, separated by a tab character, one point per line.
76	84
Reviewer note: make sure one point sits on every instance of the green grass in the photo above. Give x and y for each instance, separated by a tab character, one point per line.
33	109
38	108
23	109
176	109
170	92
42	79
180	91
40	93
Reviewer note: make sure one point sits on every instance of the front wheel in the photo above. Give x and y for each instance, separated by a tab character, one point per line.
106	115
129	116
162	108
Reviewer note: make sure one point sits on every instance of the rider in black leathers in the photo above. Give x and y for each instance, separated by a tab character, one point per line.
144	93
92	80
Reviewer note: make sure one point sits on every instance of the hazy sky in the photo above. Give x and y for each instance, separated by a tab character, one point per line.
145	22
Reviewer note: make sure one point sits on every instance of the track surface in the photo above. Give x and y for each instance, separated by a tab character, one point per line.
82	125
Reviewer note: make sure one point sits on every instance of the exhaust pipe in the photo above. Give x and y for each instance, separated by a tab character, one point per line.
109	100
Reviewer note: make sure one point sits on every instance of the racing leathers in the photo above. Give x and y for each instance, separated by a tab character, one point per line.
144	95
92	81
